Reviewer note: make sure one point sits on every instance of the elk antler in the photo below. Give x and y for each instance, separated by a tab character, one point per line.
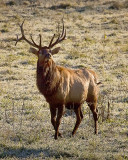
59	39
24	38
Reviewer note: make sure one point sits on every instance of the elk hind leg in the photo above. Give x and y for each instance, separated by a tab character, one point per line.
94	110
79	117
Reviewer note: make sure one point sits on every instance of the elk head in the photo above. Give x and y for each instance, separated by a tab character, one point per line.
44	53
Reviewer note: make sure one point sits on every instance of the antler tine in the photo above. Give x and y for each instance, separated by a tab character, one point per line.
60	37
40	40
17	40
21	27
51	41
57	39
34	41
22	32
63	35
24	38
62	30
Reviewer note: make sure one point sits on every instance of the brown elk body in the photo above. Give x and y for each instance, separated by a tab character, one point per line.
63	87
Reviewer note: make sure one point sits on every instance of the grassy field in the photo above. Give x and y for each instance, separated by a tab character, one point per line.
97	38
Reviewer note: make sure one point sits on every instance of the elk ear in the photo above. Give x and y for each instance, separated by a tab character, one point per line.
33	50
55	51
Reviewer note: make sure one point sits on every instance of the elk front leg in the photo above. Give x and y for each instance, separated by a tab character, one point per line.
79	117
53	118
58	120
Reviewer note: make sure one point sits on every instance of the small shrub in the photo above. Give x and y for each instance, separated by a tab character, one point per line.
10	3
26	3
63	6
4	30
119	5
114	21
116	5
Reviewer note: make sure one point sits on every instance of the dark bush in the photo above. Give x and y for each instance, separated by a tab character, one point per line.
61	6
10	3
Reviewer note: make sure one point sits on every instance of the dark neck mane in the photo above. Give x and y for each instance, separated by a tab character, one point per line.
48	78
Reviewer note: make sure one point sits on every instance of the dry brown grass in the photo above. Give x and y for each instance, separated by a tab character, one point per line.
97	38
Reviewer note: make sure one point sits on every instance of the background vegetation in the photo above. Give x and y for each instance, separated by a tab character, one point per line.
97	38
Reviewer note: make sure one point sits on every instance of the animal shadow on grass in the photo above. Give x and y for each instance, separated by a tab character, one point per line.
7	152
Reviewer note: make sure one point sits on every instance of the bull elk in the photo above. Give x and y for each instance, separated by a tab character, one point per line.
63	87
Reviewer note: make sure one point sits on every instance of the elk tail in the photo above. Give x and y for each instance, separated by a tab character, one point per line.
99	83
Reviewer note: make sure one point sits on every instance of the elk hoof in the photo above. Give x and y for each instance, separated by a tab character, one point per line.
72	135
56	137
60	135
